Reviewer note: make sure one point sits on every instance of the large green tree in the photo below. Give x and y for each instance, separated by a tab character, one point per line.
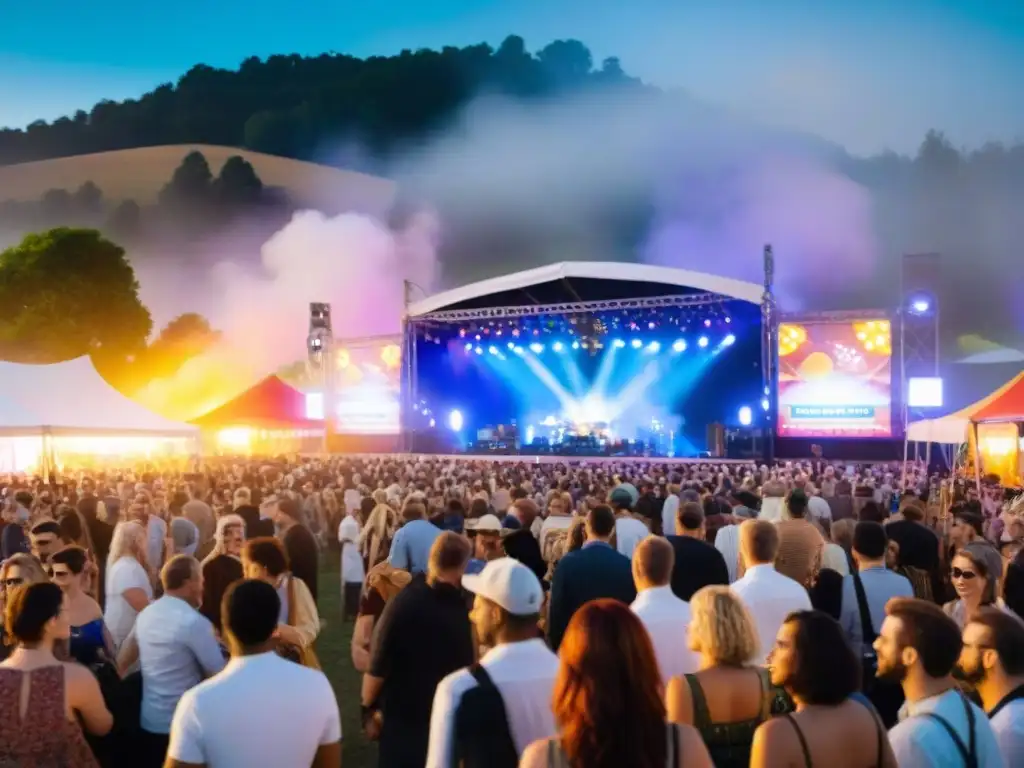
69	292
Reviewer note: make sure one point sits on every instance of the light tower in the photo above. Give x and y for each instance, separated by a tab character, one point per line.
320	348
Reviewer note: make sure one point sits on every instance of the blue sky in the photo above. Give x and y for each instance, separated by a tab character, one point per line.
870	74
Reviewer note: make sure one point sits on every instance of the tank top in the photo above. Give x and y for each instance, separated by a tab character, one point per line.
729	743
557	758
44	737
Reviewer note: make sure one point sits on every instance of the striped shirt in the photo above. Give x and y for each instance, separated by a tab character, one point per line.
800	549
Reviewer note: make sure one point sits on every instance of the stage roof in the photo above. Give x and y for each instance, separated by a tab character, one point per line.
573	281
1004	404
271	404
71	398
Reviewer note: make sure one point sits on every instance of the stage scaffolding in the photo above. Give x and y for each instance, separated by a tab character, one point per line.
412	326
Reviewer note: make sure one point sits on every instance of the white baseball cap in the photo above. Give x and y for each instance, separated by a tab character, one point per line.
509	584
486	523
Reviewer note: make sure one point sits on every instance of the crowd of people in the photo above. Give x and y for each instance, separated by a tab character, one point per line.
583	615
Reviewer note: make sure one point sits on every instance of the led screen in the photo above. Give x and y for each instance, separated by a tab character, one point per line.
835	379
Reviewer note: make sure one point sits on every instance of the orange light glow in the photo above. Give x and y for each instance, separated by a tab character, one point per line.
791	337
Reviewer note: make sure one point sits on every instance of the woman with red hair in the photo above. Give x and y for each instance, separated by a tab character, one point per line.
608	700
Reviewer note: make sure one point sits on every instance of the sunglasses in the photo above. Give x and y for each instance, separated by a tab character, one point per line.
956	573
13	582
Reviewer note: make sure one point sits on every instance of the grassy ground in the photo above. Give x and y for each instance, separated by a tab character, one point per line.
333	649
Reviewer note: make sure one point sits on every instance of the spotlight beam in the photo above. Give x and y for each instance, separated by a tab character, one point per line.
604	371
548	379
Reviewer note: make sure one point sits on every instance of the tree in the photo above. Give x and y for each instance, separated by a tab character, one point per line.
56	207
88	200
183	338
191	183
238	184
69	292
125	220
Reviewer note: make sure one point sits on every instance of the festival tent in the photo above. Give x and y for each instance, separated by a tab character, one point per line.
1004	404
66	413
269	405
72	399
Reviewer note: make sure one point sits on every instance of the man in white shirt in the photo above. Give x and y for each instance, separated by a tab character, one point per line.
670	509
666	617
918	647
520	665
993	660
352	574
629	531
261	710
768	595
176	647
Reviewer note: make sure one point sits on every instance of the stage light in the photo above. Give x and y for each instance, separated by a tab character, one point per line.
729	340
511	345
575	345
455	421
478	337
765	405
650	326
479	350
728	319
702	342
518	350
492	349
433	423
653	346
920	305
536	348
618	343
469	347
637	343
679	346
745	416
707	323
557	346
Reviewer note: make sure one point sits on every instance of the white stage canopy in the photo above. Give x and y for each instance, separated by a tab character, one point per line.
72	399
602	270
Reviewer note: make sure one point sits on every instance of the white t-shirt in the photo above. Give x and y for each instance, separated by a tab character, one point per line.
1008	726
127	573
629	532
156	532
261	710
351	560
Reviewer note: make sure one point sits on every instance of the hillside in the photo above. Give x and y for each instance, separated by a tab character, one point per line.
139	174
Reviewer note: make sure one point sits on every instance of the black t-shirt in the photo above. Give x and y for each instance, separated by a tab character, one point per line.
303	555
698	564
423	635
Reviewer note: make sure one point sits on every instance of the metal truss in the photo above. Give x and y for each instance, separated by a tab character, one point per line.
843	315
570	308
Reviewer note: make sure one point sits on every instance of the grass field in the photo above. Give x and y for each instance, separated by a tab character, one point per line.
140	174
332	648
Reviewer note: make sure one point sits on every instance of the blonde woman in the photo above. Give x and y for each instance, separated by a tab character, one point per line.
729	697
128	585
377	534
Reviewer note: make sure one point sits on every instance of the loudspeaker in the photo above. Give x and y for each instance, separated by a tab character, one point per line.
716	440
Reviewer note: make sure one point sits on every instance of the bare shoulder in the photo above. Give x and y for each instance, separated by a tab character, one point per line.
535	755
78	676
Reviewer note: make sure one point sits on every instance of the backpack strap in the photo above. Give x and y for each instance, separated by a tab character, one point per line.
867	628
965	755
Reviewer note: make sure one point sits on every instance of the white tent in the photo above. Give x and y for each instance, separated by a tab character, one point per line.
952	429
603	270
72	399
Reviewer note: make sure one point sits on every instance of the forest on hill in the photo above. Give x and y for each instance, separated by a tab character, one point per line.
509	206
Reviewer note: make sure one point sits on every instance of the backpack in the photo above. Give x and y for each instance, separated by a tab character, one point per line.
482	736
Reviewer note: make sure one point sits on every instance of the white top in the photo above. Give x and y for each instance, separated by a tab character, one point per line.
353	499
727	541
119	617
667	619
260	710
1008	726
920	742
351	560
177	649
669	510
819	508
552	525
524	674
833	556
770	597
629	532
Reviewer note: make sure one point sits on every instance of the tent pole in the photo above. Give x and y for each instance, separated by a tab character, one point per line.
906	453
977	457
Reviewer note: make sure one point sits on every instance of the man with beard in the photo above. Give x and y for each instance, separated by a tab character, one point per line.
992	660
518	665
918	647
